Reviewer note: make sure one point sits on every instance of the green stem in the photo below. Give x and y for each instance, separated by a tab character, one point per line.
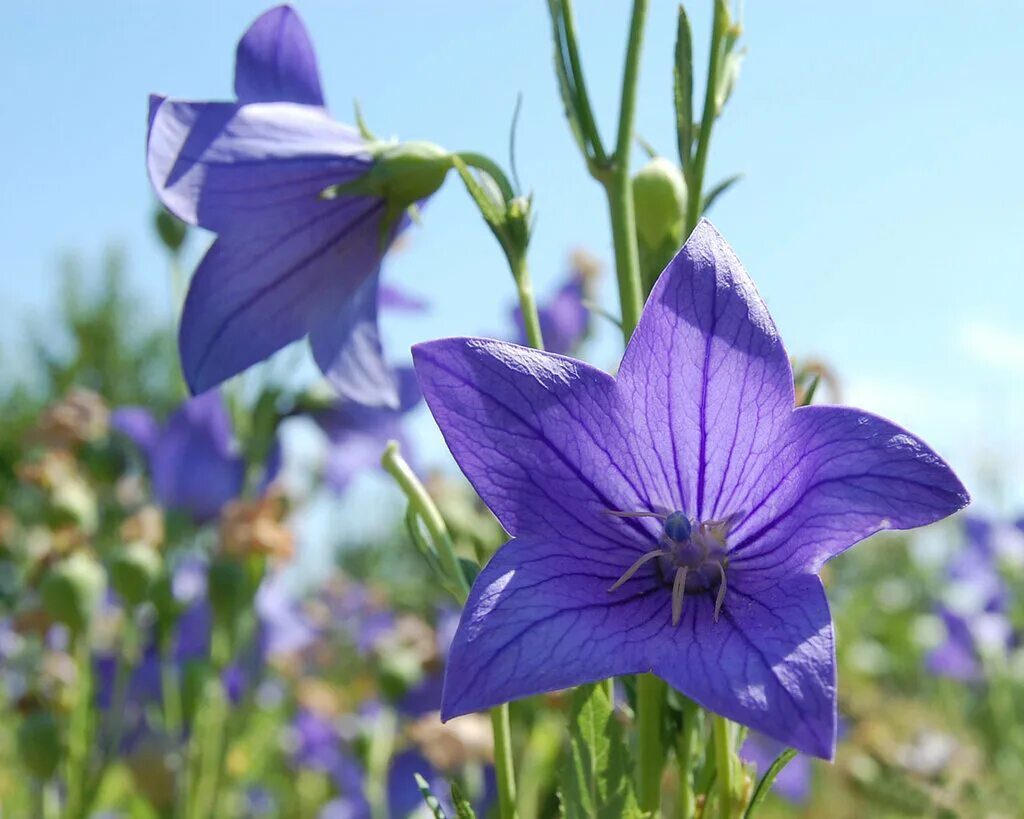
686	748
503	762
491	168
619	187
79	739
650	698
382	742
723	764
695	177
528	306
423	505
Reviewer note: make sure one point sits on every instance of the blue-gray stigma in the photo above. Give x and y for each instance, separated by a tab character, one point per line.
694	554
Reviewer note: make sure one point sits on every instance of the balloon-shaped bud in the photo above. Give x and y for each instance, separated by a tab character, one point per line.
227	587
39	745
171	230
72	589
134	571
659	196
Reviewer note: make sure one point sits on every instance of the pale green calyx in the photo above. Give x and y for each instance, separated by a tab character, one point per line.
403	174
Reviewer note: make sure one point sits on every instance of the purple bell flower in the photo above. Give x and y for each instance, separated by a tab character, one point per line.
289	259
582	469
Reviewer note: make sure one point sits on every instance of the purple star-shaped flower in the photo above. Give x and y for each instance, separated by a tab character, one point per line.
287	262
673	518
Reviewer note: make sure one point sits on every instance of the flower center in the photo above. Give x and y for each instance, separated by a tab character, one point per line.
694	556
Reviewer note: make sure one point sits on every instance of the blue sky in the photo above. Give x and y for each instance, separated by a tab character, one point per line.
881	213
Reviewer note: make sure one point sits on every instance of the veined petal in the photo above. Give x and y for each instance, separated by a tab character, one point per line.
346	346
840	475
275	61
260	287
768	663
708	380
539	436
539	618
221	165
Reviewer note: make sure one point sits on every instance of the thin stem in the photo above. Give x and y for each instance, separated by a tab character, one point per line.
650	697
79	740
723	763
585	112
503	761
528	307
491	168
423	505
619	187
695	180
686	747
382	742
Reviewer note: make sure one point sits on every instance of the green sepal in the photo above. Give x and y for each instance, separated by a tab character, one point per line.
765	785
683	75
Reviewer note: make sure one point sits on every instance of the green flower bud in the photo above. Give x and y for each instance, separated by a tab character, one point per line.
227	586
406	173
39	745
659	196
72	590
134	571
171	230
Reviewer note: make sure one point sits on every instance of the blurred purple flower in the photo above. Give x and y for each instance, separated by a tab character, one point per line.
564	319
357	433
194	463
794	781
672	518
287	262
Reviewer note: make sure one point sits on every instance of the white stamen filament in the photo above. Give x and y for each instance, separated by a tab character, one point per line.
720	598
636	566
678	593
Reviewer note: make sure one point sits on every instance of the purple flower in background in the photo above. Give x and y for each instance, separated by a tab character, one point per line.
288	261
673	518
794	781
357	433
975	609
564	319
194	463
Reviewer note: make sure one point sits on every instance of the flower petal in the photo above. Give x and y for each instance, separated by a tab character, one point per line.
138	424
539	436
840	475
347	348
540	618
260	288
275	61
222	165
194	467
708	380
768	663
394	298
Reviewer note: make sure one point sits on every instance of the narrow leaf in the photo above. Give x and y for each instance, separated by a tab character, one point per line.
684	88
562	72
428	796
595	776
463	810
484	201
765	785
719	189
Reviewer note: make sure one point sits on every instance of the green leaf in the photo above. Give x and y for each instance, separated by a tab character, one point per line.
428	796
719	189
765	785
684	88
562	70
485	201
463	810
595	776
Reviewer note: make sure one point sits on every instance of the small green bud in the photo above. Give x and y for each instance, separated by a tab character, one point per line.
406	173
171	230
134	571
39	745
72	590
659	196
227	587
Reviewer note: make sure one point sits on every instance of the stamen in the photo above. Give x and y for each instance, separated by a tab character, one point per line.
614	514
678	593
720	598
636	566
